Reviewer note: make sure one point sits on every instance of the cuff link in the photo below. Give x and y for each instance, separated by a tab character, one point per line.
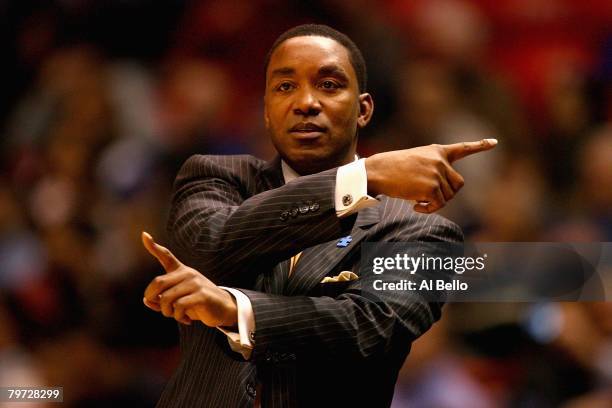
252	336
347	200
251	390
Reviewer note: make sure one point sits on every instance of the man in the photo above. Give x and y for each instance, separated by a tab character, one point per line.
277	230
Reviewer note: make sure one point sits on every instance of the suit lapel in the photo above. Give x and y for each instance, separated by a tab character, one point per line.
278	278
316	262
273	281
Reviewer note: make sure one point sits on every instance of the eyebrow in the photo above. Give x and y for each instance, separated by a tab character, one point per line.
331	70
282	71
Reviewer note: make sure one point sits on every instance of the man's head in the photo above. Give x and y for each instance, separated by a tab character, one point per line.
315	100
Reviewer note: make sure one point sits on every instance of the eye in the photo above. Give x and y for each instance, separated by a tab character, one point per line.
284	86
329	85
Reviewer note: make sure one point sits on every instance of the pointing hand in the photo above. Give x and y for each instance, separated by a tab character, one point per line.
184	293
423	174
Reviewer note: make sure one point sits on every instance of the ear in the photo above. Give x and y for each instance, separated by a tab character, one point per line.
366	109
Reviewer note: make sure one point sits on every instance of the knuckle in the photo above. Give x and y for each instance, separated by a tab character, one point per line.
166	295
203	298
158	281
193	281
437	166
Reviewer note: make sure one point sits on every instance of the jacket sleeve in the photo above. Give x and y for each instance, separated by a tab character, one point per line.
217	225
355	324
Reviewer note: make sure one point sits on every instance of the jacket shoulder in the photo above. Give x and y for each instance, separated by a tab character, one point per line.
244	174
204	164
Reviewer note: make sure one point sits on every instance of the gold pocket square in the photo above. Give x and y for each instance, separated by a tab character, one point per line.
342	277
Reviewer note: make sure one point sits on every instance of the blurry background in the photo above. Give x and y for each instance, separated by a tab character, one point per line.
101	102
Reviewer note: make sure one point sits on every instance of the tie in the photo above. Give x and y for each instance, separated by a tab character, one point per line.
294	260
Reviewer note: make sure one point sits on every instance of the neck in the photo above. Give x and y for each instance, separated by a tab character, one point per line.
291	172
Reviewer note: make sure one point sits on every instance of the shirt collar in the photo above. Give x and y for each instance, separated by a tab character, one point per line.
289	174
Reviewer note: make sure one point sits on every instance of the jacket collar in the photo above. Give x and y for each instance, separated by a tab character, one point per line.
272	172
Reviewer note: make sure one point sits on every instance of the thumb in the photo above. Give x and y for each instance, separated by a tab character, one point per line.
458	151
163	254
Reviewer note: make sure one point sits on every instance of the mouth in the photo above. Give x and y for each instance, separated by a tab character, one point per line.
306	131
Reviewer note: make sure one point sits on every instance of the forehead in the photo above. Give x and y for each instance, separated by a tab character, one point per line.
310	52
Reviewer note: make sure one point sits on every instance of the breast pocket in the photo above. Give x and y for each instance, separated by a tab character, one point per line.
334	286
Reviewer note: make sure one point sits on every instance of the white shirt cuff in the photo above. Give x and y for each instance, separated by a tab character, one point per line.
243	341
352	189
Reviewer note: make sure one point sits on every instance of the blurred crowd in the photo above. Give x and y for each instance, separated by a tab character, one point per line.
103	101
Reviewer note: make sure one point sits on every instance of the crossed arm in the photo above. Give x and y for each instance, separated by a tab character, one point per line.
185	294
357	323
220	223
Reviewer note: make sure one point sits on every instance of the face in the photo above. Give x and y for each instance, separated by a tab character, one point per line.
313	108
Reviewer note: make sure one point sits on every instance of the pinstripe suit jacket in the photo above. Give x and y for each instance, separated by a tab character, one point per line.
234	219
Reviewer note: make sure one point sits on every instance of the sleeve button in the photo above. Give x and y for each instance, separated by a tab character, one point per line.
284	215
314	207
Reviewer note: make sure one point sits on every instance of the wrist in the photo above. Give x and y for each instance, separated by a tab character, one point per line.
373	174
230	310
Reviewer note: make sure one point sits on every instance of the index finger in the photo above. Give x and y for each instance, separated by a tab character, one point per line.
163	254
458	151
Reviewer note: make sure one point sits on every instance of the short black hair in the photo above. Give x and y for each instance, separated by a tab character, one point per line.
321	30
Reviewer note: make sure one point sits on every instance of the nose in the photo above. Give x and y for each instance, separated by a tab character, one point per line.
306	103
